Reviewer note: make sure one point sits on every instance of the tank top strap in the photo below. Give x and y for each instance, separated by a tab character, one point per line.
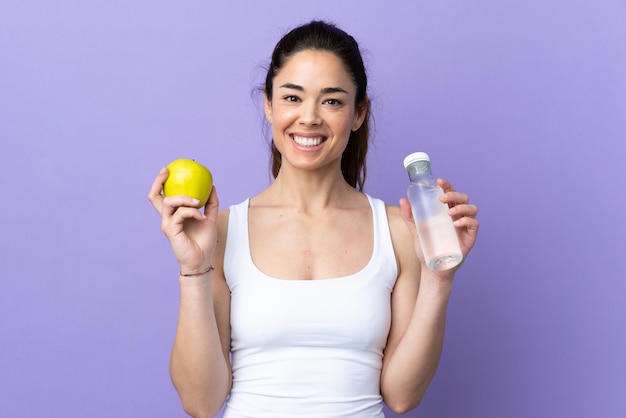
237	241
383	245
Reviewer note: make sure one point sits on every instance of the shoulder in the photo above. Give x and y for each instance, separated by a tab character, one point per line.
397	226
400	233
224	215
222	219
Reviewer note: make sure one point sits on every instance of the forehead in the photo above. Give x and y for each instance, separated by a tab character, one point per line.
315	67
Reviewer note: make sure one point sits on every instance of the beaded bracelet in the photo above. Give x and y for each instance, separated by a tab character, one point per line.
210	269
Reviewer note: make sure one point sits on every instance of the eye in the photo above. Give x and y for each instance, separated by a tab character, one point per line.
291	99
333	102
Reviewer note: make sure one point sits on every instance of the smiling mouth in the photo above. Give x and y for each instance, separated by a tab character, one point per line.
307	142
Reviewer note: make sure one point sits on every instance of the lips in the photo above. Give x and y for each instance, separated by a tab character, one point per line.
306	141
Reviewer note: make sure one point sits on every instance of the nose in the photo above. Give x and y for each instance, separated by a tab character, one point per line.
309	115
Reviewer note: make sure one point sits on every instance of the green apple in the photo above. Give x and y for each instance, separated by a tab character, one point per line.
189	178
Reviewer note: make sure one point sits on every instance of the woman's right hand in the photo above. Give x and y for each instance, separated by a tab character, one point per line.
191	233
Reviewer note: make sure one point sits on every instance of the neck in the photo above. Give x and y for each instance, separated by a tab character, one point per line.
309	191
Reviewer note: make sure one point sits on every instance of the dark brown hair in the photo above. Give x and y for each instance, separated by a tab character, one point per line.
323	36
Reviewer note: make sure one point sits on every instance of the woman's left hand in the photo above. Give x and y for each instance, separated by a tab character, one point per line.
463	215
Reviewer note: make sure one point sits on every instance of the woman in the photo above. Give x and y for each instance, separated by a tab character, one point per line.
314	288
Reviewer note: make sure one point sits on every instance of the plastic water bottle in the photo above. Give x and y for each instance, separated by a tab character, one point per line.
437	236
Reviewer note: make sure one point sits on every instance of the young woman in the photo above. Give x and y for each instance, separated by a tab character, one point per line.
308	299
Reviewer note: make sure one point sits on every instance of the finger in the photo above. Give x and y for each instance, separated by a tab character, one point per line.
154	195
459	211
186	212
454	198
171	204
470	224
450	196
445	185
174	224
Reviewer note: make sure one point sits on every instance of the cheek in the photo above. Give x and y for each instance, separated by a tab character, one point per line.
344	124
282	115
278	136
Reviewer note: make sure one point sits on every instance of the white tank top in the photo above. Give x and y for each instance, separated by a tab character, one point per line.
307	348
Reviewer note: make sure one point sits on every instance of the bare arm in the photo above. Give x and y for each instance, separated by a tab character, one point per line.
199	363
419	304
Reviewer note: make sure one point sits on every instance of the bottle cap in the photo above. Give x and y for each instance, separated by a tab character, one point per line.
416	156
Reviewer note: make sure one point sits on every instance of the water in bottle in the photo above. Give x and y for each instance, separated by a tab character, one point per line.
437	235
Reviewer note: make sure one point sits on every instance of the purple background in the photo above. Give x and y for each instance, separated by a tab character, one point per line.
522	104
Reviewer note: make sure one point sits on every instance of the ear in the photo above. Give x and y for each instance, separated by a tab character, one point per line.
361	113
267	107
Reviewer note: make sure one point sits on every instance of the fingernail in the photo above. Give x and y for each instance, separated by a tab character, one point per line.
162	170
195	201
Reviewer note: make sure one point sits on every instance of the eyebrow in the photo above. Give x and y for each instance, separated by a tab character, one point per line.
326	90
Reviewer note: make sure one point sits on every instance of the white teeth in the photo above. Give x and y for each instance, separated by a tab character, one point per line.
307	142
